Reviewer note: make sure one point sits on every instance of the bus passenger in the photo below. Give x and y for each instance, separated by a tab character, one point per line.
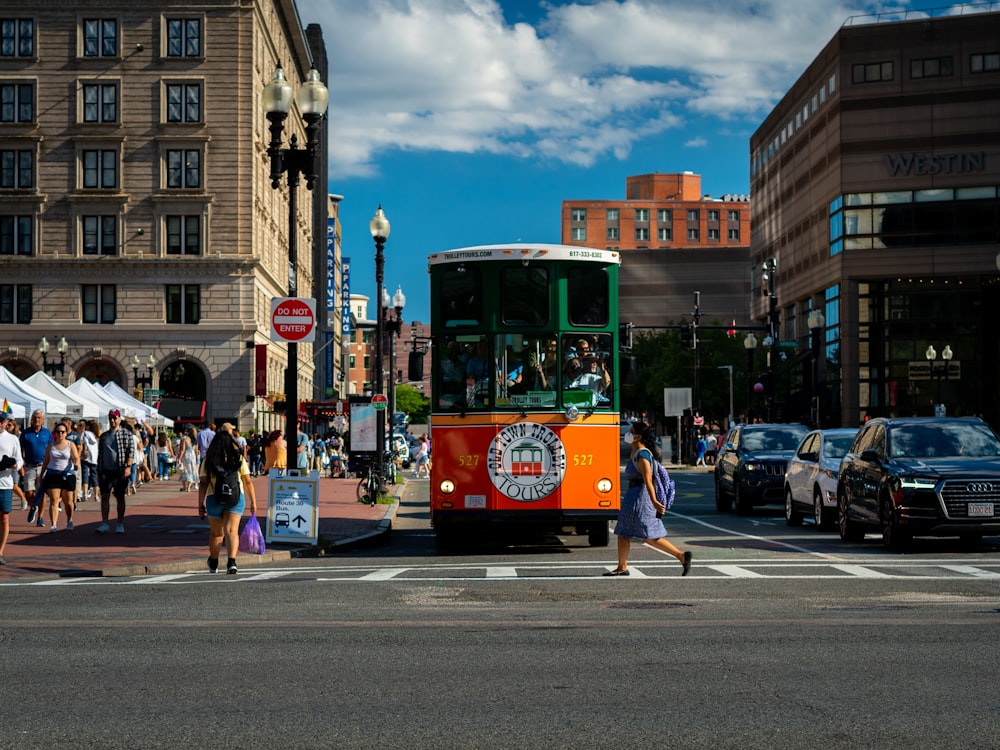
588	374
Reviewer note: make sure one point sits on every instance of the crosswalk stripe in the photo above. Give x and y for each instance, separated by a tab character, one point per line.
384	574
734	571
501	572
970	570
860	571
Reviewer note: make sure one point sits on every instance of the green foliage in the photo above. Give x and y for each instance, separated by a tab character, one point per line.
664	363
413	402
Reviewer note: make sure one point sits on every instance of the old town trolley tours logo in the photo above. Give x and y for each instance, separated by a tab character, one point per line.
526	461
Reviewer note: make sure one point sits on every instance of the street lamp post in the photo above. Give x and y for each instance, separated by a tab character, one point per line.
816	321
394	327
142	381
936	372
750	345
769	275
276	99
379	227
52	368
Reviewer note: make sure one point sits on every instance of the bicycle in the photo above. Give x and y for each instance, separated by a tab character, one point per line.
373	482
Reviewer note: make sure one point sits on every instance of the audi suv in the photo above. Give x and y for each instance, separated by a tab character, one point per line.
920	477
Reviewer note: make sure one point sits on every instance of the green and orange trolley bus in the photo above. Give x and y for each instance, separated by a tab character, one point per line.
524	397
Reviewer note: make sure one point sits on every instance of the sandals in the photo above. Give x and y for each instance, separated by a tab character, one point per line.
616	572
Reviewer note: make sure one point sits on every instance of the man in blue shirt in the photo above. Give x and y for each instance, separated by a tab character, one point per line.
35	440
302	452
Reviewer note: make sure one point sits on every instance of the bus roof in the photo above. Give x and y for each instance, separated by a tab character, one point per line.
524	251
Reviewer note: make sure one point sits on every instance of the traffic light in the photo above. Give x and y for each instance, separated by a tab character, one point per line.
686	338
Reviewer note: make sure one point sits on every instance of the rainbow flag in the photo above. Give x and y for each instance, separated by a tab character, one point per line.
7	411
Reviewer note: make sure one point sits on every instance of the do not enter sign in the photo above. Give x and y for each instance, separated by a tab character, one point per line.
293	319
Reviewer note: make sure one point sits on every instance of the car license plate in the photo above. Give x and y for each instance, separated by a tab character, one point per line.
980	509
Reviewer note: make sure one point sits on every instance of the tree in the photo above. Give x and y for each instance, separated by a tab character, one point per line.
413	402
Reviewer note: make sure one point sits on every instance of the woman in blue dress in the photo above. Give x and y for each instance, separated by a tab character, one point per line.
640	513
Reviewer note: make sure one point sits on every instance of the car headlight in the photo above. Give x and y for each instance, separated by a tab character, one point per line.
751	466
916	483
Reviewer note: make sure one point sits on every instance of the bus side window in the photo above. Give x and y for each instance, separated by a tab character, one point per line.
461	298
588	296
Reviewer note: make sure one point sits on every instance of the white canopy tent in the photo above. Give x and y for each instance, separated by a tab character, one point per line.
152	416
98	395
52	406
76	406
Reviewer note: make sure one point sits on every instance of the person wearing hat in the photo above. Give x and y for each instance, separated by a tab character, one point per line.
115	456
10	464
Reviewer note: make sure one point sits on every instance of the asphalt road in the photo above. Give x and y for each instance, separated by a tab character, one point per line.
527	646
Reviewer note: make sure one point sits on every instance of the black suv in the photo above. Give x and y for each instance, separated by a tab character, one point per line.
920	477
750	468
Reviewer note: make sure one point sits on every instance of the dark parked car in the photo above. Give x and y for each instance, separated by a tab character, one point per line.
750	467
920	477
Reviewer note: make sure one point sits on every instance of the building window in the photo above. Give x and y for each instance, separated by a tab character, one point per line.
642	214
183	303
713	215
100	102
578	233
579	214
352	365
17	235
17	37
984	62
713	235
664	234
183	37
184	235
100	37
931	67
734	235
692	214
183	102
100	168
872	72
693	234
612	233
17	169
663	215
612	214
17	102
98	303
100	235
15	303
734	215
183	168
642	234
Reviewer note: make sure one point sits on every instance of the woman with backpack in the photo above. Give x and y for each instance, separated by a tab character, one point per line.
222	497
642	509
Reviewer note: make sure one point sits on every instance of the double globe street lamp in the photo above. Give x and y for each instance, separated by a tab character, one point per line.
379	227
52	368
394	327
276	99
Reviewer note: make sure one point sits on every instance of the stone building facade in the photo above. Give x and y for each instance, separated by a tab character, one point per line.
137	215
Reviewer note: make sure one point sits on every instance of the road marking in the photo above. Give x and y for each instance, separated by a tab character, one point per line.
970	570
501	572
735	571
861	571
266	576
755	537
383	574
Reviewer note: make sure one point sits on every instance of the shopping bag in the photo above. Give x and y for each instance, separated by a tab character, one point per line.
251	538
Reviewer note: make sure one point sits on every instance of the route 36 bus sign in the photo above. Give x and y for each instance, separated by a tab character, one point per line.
526	461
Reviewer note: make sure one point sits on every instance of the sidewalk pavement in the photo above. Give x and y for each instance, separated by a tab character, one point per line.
163	534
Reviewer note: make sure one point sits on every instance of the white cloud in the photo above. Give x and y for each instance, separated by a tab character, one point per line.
698	142
587	82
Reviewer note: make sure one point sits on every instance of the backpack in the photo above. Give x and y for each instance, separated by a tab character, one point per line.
227	485
663	484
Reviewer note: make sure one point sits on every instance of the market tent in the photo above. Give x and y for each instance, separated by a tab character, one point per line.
152	416
52	406
76	406
98	395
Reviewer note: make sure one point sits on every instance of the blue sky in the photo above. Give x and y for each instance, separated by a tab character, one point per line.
470	121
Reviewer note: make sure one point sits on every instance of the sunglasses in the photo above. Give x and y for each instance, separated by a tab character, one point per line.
59	432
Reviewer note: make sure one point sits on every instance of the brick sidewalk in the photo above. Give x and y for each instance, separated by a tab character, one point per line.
164	534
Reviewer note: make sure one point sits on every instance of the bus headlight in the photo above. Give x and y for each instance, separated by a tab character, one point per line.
447	486
604	486
572	413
